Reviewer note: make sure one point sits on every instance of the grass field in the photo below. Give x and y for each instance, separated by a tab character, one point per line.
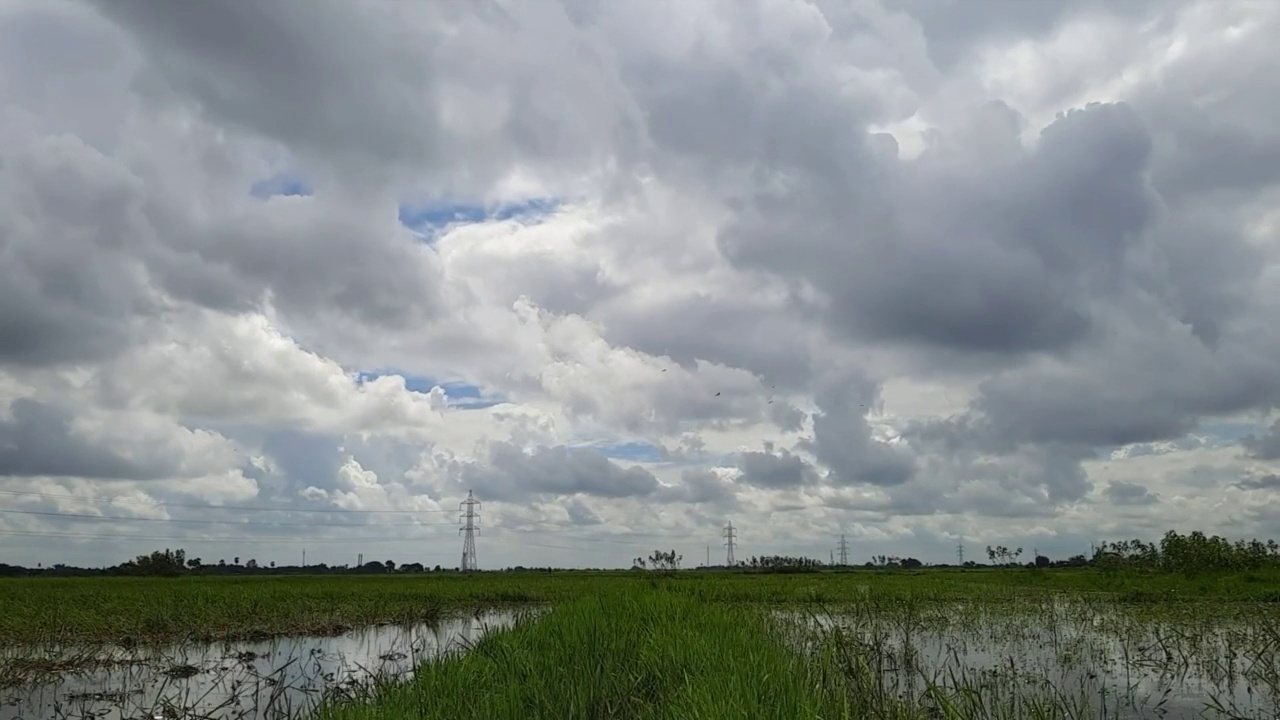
169	609
861	644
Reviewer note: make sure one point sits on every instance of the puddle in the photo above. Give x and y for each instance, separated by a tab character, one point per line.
1096	659
275	679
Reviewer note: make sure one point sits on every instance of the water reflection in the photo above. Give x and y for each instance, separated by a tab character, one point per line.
280	678
1093	659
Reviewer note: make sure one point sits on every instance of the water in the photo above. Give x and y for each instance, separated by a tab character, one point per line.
280	678
1099	659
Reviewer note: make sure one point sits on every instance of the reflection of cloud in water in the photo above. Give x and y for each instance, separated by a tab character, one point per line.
266	679
1103	660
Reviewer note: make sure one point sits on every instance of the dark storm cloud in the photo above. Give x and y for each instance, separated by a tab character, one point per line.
39	440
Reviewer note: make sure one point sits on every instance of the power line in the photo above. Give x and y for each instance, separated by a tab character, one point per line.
730	536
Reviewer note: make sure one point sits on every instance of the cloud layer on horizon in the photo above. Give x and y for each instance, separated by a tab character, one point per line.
907	271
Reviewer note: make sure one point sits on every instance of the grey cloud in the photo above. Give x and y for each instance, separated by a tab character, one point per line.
387	89
976	245
39	440
775	471
1265	446
967	467
735	331
580	513
842	439
953	29
1264	482
69	286
702	486
1154	383
90	245
511	474
1127	493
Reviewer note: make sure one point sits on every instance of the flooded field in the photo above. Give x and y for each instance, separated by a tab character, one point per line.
279	678
1081	657
928	645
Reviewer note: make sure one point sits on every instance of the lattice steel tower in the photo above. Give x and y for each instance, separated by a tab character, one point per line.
730	538
469	518
844	551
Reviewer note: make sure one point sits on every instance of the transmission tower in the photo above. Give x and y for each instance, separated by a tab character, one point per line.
844	551
960	550
730	539
468	531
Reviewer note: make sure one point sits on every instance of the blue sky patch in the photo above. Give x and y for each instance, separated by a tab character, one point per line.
463	396
430	218
279	185
633	451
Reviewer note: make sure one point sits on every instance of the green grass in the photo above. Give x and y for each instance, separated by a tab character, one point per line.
162	609
648	654
702	645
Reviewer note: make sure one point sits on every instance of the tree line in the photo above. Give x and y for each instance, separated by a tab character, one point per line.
1191	554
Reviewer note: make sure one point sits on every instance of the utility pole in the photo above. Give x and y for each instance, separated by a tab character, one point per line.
730	536
844	551
833	557
304	557
468	531
708	556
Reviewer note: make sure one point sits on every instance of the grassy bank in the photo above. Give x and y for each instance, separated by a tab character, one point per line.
651	654
162	609
660	650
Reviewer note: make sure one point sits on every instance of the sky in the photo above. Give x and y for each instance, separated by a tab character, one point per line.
298	276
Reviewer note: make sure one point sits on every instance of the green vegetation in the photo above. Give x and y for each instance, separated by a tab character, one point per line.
660	650
112	609
169	609
651	654
880	642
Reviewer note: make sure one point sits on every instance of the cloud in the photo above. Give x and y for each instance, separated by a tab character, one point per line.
1264	482
904	266
1265	446
1123	493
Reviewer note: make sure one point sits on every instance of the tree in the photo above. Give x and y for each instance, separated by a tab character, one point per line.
664	561
391	566
1003	555
163	563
